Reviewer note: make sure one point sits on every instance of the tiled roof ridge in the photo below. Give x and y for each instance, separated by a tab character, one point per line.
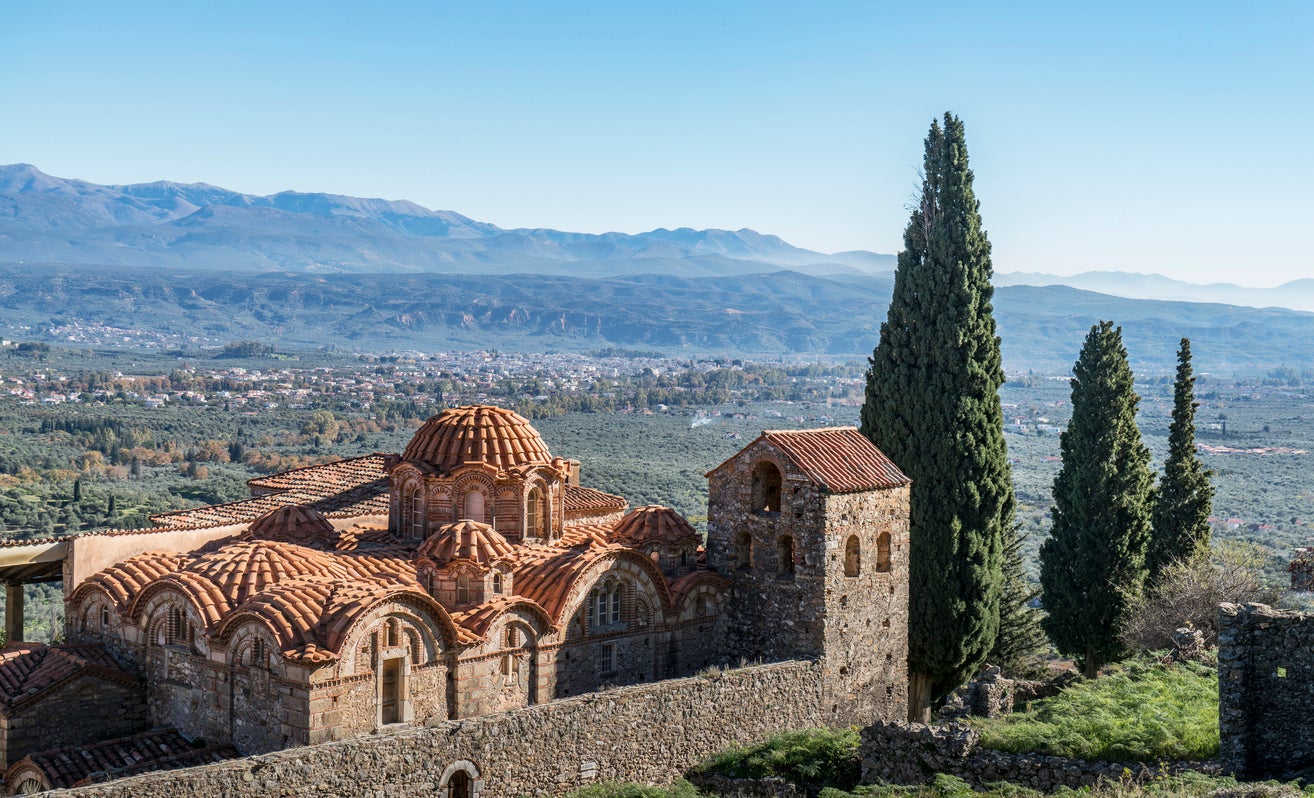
35	669
265	482
15	543
579	497
840	459
155	749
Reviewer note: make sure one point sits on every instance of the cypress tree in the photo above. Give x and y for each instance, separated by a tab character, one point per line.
1020	641
1095	556
932	405
1185	496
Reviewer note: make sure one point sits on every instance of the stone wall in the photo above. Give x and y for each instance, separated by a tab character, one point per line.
88	709
912	753
1265	690
646	733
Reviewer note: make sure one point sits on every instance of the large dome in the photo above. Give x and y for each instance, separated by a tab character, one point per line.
477	433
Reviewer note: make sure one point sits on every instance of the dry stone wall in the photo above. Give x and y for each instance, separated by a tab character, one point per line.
1265	690
912	753
646	733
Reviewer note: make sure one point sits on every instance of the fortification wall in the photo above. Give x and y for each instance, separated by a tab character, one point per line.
1265	688
645	733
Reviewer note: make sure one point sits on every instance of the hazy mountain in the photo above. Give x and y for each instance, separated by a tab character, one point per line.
775	313
163	224
1297	294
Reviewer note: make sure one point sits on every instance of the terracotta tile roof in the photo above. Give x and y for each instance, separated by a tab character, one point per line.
546	575
584	535
840	459
685	583
654	524
123	581
311	617
368	499
159	749
294	523
582	500
326	478
244	568
466	540
477	621
30	670
476	433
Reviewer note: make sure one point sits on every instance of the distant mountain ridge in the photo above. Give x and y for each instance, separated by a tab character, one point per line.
1295	295
200	226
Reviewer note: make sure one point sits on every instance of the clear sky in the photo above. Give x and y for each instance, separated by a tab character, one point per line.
1169	137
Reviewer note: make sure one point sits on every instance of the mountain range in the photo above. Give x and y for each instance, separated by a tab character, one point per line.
202	264
199	226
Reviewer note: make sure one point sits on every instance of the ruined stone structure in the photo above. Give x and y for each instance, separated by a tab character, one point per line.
473	574
1301	568
1265	681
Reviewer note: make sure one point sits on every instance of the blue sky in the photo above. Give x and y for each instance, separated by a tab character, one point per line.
1166	137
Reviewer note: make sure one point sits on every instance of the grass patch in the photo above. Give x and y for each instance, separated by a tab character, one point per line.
610	789
1142	711
812	759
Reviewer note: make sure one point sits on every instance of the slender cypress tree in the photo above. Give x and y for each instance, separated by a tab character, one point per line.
1020	641
932	405
1095	556
1185	496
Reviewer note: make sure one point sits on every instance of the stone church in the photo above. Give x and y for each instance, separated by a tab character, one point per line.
473	574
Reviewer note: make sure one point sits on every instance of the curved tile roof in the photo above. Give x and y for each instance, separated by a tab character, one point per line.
546	576
476	433
654	524
123	581
295	523
243	568
477	621
465	540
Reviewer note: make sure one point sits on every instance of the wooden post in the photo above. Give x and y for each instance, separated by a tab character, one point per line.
14	612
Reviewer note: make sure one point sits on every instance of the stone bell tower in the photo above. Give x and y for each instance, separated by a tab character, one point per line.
811	529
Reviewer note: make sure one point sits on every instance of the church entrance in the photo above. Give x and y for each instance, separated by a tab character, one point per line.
392	684
458	786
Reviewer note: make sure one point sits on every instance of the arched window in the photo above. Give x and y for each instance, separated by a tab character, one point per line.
700	607
852	556
417	514
785	557
766	488
743	550
462	589
883	552
474	506
458	786
604	605
497	583
535	513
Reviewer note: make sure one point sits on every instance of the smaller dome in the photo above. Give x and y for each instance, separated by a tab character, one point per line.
479	434
465	540
296	524
645	526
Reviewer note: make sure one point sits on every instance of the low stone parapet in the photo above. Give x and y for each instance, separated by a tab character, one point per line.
913	753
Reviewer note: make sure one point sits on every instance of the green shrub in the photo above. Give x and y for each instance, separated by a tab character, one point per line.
812	759
1142	711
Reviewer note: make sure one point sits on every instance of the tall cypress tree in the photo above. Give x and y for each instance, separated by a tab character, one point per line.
1020	641
932	404
1185	496
1095	555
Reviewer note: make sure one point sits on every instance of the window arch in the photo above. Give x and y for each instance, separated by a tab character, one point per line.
852	556
743	554
883	552
785	557
462	589
536	516
604	605
416	514
473	506
497	583
766	488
